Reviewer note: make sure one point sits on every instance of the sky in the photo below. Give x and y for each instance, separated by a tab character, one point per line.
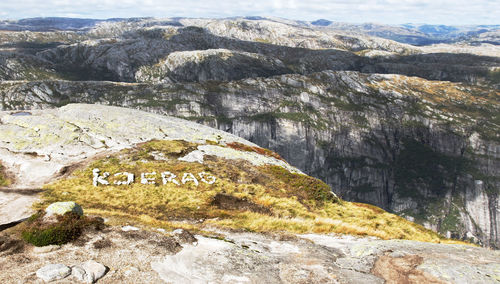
448	12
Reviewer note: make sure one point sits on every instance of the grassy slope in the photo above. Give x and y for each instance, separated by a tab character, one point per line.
293	202
3	179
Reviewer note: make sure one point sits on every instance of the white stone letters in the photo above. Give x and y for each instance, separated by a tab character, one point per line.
169	177
98	179
211	178
148	178
189	177
130	178
126	178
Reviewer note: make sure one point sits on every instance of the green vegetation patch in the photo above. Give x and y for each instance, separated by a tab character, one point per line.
451	220
41	232
494	76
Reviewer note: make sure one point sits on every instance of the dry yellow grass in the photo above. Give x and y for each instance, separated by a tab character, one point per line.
293	202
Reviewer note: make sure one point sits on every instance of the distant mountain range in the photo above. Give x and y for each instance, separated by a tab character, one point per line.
415	34
420	34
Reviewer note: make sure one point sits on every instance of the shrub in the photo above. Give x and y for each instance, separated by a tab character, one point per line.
66	228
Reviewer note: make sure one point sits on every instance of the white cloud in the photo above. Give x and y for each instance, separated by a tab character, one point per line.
382	11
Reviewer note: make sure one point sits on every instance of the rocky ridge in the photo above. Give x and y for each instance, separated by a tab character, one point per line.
118	50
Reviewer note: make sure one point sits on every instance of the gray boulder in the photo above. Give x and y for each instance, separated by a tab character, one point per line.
52	272
61	208
89	271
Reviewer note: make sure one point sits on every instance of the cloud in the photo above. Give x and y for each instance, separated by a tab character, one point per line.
382	11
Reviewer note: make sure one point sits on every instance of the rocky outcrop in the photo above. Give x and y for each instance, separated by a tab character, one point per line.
162	169
212	64
61	208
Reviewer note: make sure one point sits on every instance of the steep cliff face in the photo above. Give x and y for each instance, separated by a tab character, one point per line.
426	150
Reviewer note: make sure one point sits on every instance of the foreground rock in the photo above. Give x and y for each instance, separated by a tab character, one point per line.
53	272
326	259
61	208
89	271
229	257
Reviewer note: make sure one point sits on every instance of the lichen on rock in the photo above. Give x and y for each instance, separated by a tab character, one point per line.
61	208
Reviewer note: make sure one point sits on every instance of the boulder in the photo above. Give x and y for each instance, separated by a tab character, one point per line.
129	228
184	237
79	273
52	272
46	249
89	271
61	208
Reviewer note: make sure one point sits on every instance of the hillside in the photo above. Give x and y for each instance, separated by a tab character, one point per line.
253	189
161	173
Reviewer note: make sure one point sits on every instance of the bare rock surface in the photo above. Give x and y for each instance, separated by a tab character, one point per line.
55	138
237	257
